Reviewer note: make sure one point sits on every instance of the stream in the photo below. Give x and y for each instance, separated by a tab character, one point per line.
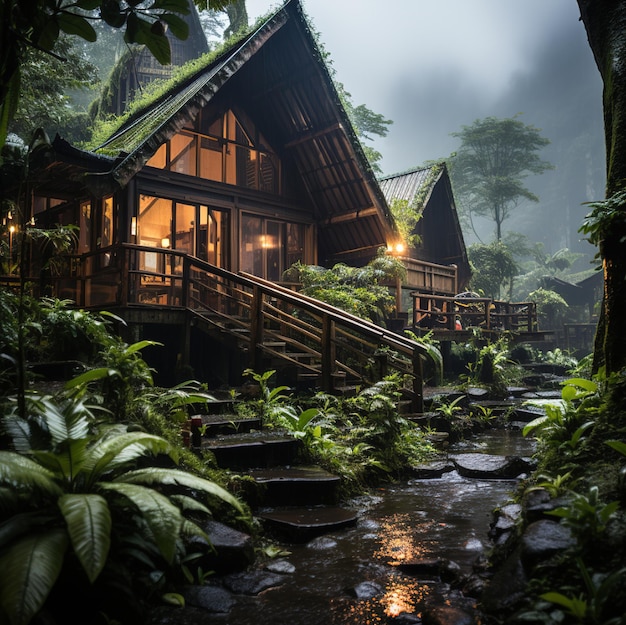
353	577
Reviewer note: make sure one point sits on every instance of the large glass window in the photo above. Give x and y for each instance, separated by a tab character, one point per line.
222	149
269	247
195	229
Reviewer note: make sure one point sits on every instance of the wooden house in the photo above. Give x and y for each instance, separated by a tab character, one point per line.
437	264
194	206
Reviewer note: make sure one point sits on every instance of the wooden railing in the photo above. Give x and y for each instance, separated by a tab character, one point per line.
461	313
271	322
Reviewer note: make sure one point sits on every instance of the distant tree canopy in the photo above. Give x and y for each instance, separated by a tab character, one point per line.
46	81
491	163
38	24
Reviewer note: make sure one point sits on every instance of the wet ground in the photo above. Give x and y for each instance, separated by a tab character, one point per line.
354	576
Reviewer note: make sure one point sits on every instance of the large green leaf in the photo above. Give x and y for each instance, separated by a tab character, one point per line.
28	571
88	521
174	477
74	24
67	461
65	422
161	515
114	452
22	473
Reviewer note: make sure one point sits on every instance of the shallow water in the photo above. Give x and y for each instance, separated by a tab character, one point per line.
412	520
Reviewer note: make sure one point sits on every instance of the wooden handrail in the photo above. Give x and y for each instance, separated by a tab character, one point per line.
251	309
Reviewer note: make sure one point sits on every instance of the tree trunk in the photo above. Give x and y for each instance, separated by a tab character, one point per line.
605	23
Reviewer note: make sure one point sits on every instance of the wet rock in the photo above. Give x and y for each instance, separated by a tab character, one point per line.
446	570
505	520
543	539
404	618
446	615
322	542
431	470
210	598
538	502
368	590
252	583
282	567
507	587
488	466
228	549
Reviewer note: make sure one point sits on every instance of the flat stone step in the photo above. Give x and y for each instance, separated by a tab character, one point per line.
216	424
253	450
303	524
297	486
491	466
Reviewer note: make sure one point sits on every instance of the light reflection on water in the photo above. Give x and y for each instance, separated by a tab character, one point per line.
414	520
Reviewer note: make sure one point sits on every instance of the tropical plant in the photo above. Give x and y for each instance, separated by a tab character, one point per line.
586	515
270	405
83	513
361	291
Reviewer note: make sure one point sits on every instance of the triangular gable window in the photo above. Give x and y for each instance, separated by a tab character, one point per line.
222	149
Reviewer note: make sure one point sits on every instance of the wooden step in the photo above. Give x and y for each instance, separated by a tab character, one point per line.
302	524
297	486
253	450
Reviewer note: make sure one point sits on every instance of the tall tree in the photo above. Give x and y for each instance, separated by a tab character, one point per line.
489	167
605	23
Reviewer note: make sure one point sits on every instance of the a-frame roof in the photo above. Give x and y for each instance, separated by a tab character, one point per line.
429	191
277	71
411	185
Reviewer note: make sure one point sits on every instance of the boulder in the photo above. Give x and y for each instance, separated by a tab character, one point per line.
543	539
252	583
210	598
489	466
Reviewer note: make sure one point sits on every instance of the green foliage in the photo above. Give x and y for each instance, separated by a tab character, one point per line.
607	218
46	81
361	291
75	495
493	268
594	604
586	515
551	307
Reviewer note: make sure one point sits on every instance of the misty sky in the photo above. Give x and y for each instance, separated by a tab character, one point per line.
433	67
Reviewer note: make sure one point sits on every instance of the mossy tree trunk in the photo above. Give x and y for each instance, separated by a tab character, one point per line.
605	23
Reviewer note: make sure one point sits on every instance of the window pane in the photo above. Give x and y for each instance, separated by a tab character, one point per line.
155	219
159	158
183	154
251	247
185	228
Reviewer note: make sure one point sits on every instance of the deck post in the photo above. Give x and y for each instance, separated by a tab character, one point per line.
328	353
256	329
418	383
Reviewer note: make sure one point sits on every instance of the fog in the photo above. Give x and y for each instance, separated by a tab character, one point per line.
433	67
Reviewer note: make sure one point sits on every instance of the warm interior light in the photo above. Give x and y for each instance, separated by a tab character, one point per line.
165	242
133	226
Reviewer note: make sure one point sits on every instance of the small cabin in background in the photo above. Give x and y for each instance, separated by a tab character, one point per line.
438	263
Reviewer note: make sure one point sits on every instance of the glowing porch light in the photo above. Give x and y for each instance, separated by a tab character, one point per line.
165	242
